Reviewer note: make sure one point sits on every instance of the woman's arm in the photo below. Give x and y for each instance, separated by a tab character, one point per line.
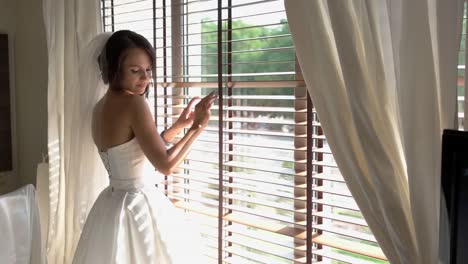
166	160
169	134
199	121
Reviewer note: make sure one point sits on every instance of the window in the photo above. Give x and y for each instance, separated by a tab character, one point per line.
254	177
461	76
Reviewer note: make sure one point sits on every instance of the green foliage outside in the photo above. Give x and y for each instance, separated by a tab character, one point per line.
249	54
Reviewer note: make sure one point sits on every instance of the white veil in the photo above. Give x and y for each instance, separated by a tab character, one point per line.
93	87
86	175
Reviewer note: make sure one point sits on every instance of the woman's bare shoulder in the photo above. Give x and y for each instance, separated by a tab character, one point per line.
121	106
127	100
137	104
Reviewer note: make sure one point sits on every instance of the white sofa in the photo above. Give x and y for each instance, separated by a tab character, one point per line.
20	239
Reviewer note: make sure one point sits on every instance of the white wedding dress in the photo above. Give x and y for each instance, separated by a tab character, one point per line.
132	221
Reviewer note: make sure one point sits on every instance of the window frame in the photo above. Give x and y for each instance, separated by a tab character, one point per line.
313	238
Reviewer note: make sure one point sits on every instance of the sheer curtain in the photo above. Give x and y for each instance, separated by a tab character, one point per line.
382	75
76	175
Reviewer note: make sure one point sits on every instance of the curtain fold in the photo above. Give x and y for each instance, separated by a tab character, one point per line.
382	76
76	175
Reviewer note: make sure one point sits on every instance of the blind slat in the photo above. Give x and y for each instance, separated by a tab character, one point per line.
345	233
358	248
286	254
265	236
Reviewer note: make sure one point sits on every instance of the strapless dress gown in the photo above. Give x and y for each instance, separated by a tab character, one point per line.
132	221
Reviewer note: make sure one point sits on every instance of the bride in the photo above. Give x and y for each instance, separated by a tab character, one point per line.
131	220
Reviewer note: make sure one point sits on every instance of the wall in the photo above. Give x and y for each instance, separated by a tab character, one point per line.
9	180
31	88
22	20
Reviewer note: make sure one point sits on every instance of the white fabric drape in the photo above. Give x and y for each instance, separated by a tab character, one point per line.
20	241
382	76
76	173
42	194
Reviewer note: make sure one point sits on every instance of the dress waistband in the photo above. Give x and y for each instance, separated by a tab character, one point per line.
132	184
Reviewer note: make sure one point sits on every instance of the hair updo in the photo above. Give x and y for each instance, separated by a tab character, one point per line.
111	56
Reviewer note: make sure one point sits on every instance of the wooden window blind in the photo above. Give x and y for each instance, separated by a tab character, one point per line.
266	190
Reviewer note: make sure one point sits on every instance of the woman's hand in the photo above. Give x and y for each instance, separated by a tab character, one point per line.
203	111
187	116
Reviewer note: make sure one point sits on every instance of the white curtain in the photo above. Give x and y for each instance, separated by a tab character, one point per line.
382	76
76	175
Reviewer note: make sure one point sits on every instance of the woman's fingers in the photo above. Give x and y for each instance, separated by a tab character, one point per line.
203	108
188	109
208	100
195	100
213	99
210	97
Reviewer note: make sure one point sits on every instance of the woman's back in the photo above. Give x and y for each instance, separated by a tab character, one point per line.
111	120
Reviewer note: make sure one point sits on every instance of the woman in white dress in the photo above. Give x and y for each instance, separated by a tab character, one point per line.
132	221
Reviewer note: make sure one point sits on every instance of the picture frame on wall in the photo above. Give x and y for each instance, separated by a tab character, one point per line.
6	148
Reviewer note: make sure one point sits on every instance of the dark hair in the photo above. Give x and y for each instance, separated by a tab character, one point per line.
111	56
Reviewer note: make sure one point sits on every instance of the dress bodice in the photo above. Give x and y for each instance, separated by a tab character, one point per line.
128	166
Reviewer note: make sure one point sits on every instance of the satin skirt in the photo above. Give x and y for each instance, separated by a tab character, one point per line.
131	223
